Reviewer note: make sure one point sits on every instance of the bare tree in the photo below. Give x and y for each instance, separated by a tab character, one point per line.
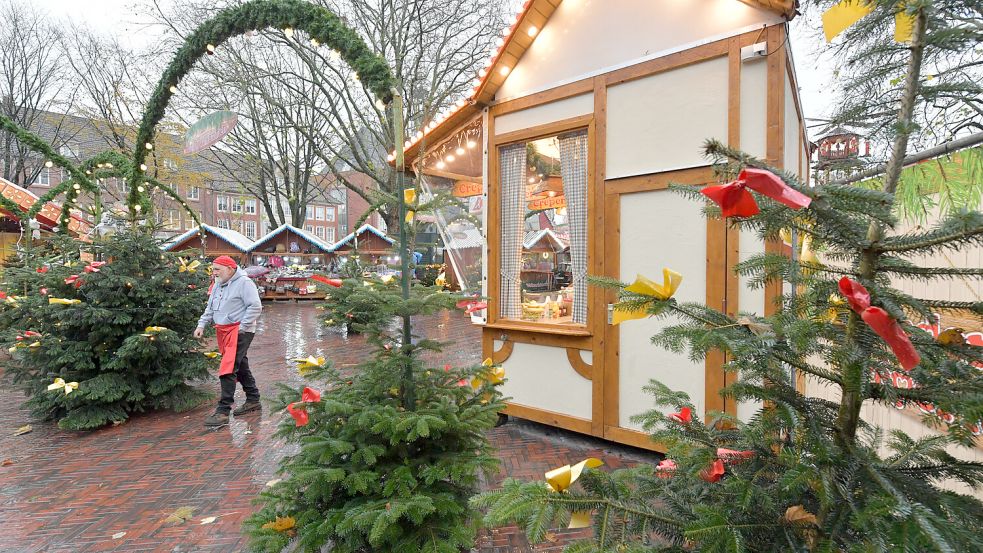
33	86
303	112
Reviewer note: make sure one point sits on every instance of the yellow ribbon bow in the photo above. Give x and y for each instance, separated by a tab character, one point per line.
305	365
492	375
69	387
211	354
409	216
188	267
409	196
559	480
386	279
63	301
847	12
155	329
12	300
647	287
441	280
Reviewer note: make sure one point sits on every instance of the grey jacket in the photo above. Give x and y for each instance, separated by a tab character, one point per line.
235	300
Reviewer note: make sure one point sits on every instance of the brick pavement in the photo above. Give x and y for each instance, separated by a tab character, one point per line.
72	492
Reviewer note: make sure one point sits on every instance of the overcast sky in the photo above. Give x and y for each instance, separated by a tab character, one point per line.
120	17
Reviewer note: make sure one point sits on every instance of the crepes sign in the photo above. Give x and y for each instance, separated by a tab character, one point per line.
209	130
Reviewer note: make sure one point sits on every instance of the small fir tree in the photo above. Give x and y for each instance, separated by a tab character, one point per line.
94	341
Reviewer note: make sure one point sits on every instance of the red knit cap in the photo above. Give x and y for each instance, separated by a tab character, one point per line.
226	261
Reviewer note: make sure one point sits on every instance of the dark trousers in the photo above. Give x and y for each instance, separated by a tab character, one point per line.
241	373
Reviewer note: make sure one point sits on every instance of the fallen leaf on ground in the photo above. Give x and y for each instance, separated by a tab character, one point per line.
208	520
6	463
23	430
118	535
181	514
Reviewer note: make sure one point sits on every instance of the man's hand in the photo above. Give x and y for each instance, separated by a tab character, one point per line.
199	332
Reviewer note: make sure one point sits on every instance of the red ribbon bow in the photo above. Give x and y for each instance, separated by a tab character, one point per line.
880	322
309	395
43	269
71	279
336	282
735	201
470	305
734	456
94	266
714	472
685	415
665	468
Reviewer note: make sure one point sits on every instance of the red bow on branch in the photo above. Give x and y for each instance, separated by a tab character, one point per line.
685	415
735	201
470	305
309	395
336	282
714	472
880	322
94	266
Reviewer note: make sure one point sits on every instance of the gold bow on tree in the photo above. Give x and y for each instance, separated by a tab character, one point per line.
559	480
409	198
646	287
305	365
69	387
211	354
847	12
63	301
188	267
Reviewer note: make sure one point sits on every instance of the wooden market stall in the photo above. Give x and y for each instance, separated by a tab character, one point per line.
47	218
372	246
211	242
597	107
291	256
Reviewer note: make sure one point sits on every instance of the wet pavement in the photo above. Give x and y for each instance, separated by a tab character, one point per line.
111	489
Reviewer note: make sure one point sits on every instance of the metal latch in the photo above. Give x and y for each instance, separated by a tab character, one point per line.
610	313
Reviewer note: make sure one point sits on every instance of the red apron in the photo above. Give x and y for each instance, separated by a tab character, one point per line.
228	339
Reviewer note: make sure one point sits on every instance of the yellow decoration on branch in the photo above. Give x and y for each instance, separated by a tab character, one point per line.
409	196
155	329
441	280
559	480
410	214
60	383
304	366
492	375
847	12
63	301
211	354
188	267
281	524
647	287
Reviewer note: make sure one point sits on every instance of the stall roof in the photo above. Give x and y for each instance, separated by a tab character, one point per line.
490	78
324	246
361	229
464	238
49	214
534	236
229	236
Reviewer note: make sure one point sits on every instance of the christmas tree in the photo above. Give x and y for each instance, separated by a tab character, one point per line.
94	341
803	473
390	453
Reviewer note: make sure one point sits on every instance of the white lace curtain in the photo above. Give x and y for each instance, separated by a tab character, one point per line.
573	171
512	174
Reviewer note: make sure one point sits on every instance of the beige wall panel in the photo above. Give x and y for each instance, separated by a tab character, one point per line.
541	377
659	229
568	48
791	131
546	113
754	103
659	123
750	300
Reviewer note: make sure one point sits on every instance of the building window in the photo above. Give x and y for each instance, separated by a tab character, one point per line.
251	230
310	213
173	219
237	205
170	165
319	231
329	213
223	223
222	204
44	177
319	213
329	235
543	258
309	228
67	151
193	192
250	207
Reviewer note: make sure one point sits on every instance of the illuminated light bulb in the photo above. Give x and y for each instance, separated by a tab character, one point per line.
551	193
87	172
532	180
532	30
109	166
504	70
500	42
380	105
143	166
450	158
460	103
441	164
315	43
515	19
173	89
419	134
391	157
289	32
476	82
489	61
140	189
507	31
472	143
482	72
406	144
148	146
48	163
459	151
210	49
76	186
137	207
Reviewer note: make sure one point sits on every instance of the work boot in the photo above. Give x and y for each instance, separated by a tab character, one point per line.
217	419
249	405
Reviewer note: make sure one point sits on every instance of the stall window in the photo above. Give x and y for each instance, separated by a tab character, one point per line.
543	261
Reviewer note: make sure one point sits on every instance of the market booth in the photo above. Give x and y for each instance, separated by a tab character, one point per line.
575	128
290	257
212	242
47	219
373	248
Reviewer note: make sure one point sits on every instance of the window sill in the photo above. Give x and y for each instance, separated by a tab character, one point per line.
563	330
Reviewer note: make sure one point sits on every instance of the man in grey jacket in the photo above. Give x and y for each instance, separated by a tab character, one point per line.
234	307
